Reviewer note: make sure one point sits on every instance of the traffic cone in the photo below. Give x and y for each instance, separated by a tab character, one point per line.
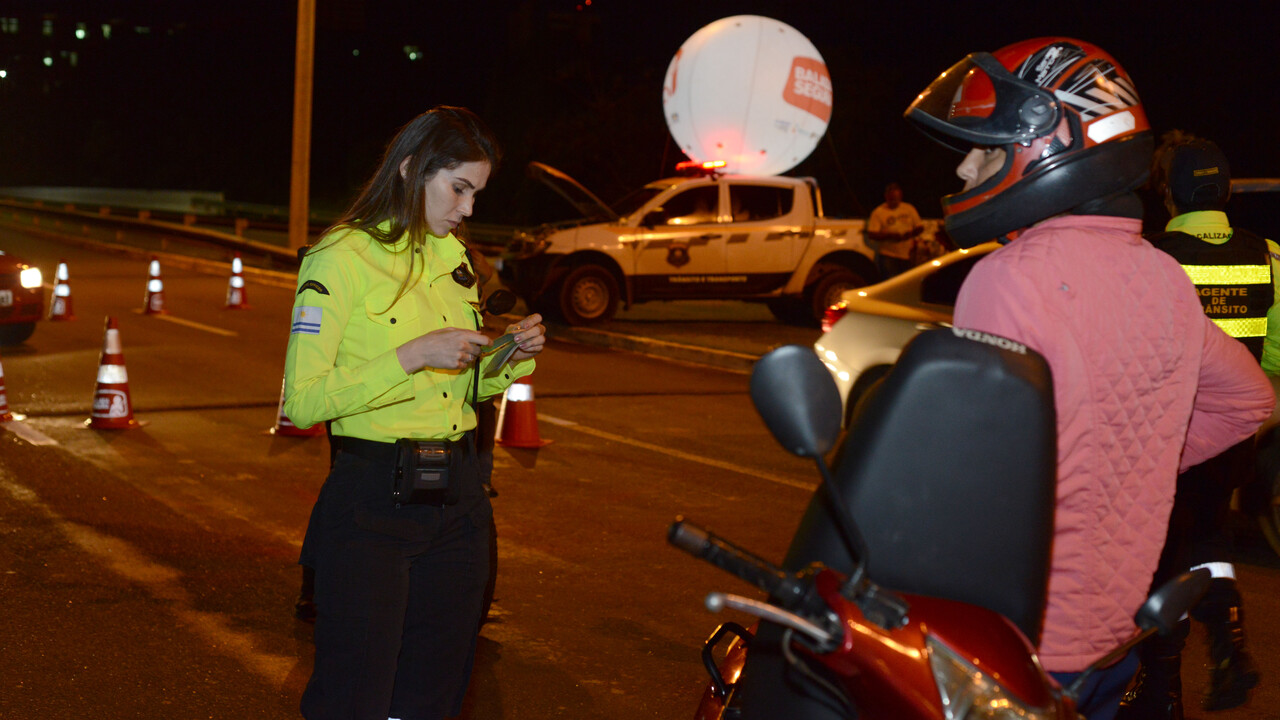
153	303
5	415
112	409
518	417
284	426
236	298
60	308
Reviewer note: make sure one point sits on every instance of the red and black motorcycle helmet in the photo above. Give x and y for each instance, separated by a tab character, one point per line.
1067	116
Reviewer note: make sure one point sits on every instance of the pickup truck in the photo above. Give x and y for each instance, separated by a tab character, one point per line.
703	236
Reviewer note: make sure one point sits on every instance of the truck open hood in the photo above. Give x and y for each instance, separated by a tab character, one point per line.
582	199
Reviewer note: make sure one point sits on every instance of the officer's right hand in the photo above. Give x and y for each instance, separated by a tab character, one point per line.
446	349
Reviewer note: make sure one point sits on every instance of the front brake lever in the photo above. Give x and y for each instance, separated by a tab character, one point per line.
880	605
717	601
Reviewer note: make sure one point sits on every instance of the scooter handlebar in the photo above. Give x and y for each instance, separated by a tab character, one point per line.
701	543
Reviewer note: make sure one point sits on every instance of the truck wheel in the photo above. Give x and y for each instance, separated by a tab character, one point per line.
17	333
589	294
830	288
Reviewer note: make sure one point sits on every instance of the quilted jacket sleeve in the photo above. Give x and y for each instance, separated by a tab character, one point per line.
1233	398
999	301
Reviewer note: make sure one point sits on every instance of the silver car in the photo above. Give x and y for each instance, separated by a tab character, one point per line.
865	332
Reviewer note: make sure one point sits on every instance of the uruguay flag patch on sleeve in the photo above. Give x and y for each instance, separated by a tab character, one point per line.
306	320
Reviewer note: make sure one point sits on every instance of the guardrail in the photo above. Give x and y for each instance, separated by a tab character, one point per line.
1253	185
142	229
261	243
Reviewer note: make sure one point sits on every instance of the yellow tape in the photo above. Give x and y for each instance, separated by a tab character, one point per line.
1243	327
1229	274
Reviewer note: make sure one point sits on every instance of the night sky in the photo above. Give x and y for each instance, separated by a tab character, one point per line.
210	106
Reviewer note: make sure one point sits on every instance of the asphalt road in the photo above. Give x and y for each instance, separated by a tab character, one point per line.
151	572
154	568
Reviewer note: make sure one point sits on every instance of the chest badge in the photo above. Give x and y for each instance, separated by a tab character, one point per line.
463	276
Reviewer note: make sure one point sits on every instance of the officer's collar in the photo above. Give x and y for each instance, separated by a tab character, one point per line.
446	258
1209	225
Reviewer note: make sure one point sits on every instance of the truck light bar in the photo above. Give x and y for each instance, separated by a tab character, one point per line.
693	167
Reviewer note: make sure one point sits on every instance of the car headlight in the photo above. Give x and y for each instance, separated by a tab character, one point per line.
970	694
31	277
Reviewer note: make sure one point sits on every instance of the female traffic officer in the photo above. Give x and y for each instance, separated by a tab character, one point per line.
385	343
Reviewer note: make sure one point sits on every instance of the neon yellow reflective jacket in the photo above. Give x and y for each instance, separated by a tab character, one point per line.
341	361
1237	275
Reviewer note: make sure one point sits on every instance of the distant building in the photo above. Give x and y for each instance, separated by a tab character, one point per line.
45	49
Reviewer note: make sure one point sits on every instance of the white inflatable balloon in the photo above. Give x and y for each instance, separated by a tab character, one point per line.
748	90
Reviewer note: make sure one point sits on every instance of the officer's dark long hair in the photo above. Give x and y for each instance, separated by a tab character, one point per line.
442	137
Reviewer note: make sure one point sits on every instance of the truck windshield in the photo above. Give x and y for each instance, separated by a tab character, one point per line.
635	200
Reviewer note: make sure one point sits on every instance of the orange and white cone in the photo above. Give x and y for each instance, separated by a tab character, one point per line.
5	415
112	408
284	426
60	308
153	304
236	298
518	417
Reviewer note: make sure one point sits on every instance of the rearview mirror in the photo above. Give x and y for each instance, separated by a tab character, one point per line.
1175	598
798	400
1159	614
500	302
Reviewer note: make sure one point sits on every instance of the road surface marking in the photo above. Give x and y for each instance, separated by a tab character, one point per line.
678	454
193	324
28	433
165	583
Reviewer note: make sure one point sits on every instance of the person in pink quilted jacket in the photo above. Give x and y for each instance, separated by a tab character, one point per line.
1056	141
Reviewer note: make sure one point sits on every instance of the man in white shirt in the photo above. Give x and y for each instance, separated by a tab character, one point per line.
892	230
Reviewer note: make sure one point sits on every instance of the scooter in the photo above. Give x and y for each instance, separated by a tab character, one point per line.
915	584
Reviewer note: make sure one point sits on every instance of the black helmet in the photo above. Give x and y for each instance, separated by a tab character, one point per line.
1067	116
1192	173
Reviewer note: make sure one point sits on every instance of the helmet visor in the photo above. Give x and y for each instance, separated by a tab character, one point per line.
977	102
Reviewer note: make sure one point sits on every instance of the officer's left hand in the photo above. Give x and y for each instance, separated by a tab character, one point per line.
530	336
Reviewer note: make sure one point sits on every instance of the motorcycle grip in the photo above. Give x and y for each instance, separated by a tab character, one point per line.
700	543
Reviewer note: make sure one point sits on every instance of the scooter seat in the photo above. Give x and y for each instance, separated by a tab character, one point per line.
948	467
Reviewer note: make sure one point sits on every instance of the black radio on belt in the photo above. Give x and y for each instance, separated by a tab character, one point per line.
422	471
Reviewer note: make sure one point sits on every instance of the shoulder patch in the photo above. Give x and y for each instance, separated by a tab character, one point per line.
306	320
314	285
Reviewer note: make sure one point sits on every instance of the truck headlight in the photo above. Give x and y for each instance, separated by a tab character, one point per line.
525	245
31	277
970	694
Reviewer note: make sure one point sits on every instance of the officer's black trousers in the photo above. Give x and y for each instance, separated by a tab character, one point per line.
398	598
1199	523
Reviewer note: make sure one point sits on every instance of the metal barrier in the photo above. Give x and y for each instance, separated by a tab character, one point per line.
170	231
145	230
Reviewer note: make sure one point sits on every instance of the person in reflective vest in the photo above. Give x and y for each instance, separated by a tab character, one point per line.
1232	270
1231	267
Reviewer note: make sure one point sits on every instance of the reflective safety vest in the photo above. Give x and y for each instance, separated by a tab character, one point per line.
1233	280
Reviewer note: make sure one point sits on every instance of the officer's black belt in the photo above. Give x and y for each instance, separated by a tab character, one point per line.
383	453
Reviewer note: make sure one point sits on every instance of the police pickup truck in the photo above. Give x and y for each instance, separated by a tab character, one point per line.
702	235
